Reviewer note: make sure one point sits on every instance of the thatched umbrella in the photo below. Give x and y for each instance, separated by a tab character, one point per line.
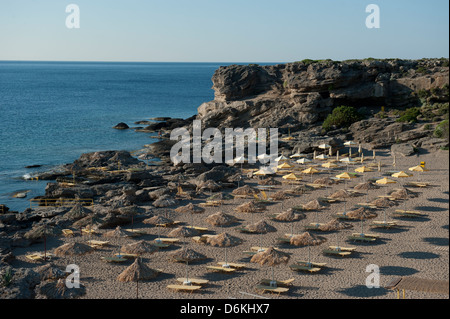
77	212
250	207
210	185
362	214
224	240
366	186
245	190
118	232
139	248
157	220
313	205
289	216
403	193
334	225
164	201
190	208
269	181
183	231
220	219
73	249
42	232
137	271
187	255
131	211
50	271
306	239
342	193
382	203
261	227
280	195
272	258
58	290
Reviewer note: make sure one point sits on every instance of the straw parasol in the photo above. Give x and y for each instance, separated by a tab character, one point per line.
361	213
42	232
313	205
261	227
137	271
59	290
366	186
306	239
157	220
280	195
77	212
73	249
245	190
223	240
183	231
334	225
272	258
342	193
220	219
187	255
269	181
50	271
190	208
250	207
289	216
139	248
403	193
117	233
382	203
326	181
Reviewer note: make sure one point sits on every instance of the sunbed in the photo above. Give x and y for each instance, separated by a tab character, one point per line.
232	265
221	269
194	281
278	283
185	288
277	290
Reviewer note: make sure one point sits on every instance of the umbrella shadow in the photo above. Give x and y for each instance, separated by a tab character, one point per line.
418	255
430	208
216	276
439	200
391	230
363	291
162	276
378	242
445	227
437	241
397	271
415	219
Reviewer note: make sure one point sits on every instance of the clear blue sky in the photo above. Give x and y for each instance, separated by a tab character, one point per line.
222	31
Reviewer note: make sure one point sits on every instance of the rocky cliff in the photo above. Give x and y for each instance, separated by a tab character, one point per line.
300	95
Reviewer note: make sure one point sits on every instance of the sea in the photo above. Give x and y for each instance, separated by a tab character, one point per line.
52	112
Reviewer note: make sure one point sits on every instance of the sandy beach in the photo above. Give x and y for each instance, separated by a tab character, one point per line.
419	248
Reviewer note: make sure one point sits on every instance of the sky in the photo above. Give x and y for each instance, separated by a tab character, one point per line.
222	31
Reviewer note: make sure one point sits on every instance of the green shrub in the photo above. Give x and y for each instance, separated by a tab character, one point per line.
7	278
409	115
341	117
441	130
427	127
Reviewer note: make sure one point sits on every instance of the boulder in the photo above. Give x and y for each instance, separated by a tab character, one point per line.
404	149
121	126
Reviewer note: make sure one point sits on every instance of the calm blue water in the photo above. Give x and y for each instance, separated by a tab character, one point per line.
52	112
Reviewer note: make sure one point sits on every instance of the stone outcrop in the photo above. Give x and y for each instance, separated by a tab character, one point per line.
298	95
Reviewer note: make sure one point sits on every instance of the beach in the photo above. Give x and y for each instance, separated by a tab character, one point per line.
419	248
